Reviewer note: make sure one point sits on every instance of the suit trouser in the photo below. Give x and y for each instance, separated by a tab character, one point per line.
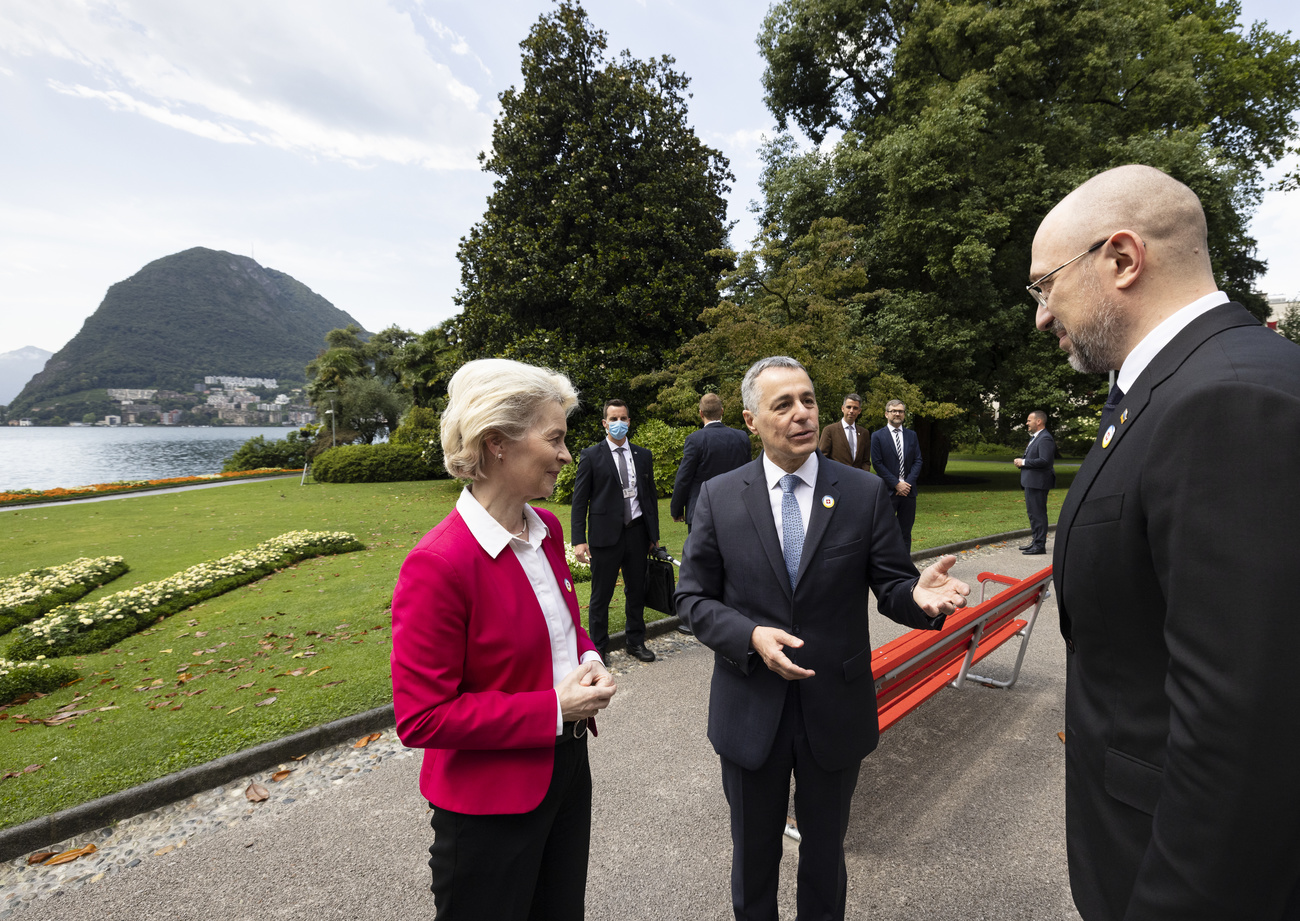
905	511
1036	506
530	866
627	554
759	800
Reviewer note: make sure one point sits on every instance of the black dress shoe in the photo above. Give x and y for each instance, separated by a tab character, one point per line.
1034	551
684	628
1026	547
640	652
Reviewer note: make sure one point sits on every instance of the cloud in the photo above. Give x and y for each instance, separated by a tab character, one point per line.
357	80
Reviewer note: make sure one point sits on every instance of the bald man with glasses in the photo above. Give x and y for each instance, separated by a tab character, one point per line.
1174	567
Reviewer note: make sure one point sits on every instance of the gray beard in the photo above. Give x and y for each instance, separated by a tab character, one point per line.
1097	339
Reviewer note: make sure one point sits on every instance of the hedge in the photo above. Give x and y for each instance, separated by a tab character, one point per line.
381	463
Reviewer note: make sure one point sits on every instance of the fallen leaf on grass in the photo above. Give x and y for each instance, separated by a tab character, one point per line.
296	673
366	740
234	709
256	793
27	770
244	687
69	856
330	684
281	775
40	857
321	669
263	703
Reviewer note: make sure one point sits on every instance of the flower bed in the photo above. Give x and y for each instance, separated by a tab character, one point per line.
28	496
28	595
78	629
39	677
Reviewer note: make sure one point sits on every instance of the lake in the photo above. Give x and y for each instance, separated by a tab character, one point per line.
35	457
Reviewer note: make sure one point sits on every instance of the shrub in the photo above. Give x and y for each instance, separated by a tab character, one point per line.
41	677
257	452
78	629
420	428
564	483
381	463
28	595
666	443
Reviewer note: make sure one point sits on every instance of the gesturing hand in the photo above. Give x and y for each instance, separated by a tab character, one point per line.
937	592
770	643
585	691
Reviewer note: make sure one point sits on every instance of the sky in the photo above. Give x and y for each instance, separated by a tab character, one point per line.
335	140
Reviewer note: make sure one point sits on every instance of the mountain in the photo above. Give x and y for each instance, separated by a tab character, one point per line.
195	313
17	368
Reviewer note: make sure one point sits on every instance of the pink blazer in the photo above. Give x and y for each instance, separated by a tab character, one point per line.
472	677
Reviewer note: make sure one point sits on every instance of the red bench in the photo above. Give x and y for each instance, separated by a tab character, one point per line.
911	669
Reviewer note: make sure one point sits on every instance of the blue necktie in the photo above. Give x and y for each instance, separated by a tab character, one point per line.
791	528
1113	399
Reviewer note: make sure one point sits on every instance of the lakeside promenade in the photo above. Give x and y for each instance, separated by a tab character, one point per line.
958	814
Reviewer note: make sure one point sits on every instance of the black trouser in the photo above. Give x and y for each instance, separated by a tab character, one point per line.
526	867
758	801
1036	506
905	510
627	554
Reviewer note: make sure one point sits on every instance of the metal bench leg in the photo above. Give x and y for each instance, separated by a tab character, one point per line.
1024	644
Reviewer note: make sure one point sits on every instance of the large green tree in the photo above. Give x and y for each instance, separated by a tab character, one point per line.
599	247
965	120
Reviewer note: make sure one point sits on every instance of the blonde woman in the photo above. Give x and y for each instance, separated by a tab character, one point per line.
493	674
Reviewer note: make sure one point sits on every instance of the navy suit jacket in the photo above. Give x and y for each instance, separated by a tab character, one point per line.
714	449
1038	471
1176	590
598	496
734	579
884	457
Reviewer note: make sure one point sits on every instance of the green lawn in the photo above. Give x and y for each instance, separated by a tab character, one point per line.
315	637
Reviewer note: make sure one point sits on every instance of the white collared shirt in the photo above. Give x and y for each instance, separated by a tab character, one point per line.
1153	342
528	550
626	448
851	435
803	491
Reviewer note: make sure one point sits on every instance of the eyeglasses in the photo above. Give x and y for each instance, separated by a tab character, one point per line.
1035	288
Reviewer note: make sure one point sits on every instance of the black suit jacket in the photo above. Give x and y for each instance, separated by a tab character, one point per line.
714	449
1038	471
733	579
598	496
884	457
1176	587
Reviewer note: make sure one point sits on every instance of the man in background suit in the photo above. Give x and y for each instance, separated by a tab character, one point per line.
1037	477
1175	568
775	581
615	524
896	455
846	441
714	449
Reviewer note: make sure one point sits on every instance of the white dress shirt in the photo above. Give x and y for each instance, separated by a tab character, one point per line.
803	491
626	448
1162	335
528	550
851	435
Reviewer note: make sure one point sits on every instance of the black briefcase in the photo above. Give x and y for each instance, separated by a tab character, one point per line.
660	582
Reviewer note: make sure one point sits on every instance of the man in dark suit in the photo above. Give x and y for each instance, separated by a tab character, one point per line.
1175	568
896	455
1037	477
714	449
615	524
846	441
775	581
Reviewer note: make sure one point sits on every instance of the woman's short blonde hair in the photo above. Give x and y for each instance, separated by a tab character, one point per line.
495	396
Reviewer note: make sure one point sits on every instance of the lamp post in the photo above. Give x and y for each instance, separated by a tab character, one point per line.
334	431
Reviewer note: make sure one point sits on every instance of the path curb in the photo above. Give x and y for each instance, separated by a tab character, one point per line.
102	812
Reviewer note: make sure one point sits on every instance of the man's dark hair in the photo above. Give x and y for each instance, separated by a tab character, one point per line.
614	402
711	407
852	396
1040	416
